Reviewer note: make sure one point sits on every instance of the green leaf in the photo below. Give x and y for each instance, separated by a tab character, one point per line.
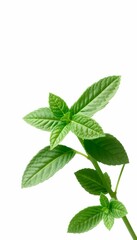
107	150
108	180
57	105
85	220
45	164
117	209
104	200
90	181
108	220
42	118
58	133
85	128
97	96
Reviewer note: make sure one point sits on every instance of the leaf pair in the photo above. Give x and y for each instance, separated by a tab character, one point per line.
90	217
59	119
47	162
111	210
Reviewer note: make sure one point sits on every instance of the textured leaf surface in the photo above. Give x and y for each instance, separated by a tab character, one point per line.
90	181
45	164
57	105
42	118
85	128
108	180
104	201
108	220
58	133
107	150
86	220
118	209
96	96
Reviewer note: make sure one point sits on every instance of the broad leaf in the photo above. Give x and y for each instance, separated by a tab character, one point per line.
108	220
57	105
90	181
45	164
85	128
104	201
117	209
97	96
86	219
42	118
107	150
58	133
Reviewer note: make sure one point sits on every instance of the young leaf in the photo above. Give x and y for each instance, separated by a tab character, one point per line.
90	181
85	220
97	96
117	209
57	105
45	164
42	118
107	150
58	133
85	128
108	220
104	201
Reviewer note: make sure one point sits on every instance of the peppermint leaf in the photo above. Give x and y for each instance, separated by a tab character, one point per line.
107	150
90	181
85	128
96	96
42	118
45	164
108	220
58	134
57	105
85	220
104	201
117	209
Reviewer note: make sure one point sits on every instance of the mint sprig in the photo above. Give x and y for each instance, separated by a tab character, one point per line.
99	147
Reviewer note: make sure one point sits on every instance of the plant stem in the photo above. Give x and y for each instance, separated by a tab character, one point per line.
122	169
111	193
129	227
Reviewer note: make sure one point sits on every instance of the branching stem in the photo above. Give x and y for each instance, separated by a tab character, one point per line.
120	175
111	193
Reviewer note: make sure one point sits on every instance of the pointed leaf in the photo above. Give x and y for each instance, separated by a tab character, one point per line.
85	128
104	200
58	133
90	181
108	220
117	209
107	150
45	164
42	118
108	180
85	220
97	96
57	105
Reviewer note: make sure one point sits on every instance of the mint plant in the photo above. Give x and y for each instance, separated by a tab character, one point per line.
99	147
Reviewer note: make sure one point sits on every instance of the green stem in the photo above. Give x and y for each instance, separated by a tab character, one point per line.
129	227
120	175
111	193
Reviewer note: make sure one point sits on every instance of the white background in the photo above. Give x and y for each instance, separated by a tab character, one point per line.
63	47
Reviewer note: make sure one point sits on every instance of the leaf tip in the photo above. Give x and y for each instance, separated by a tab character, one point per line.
25	118
23	185
69	230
